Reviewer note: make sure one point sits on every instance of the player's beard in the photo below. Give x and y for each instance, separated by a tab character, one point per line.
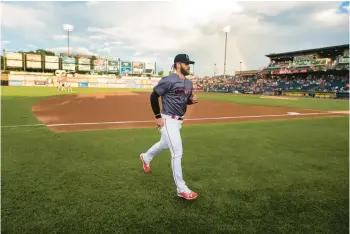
184	71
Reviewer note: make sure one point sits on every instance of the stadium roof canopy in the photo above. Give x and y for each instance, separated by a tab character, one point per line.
324	50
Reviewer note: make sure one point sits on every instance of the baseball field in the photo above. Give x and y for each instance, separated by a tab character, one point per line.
70	164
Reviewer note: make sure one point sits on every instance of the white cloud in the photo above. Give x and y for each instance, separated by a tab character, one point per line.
20	17
331	18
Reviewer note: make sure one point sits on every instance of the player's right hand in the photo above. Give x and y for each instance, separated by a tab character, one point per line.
160	123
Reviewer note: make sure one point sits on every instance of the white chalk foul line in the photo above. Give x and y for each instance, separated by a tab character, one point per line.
152	121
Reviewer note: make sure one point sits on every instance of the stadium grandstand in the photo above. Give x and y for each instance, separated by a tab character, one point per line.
320	72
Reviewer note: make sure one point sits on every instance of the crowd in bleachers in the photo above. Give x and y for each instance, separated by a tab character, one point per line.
258	84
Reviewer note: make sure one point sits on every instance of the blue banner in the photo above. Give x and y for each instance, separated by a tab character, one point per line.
83	84
15	82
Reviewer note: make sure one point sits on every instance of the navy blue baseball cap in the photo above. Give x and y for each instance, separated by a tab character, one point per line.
183	58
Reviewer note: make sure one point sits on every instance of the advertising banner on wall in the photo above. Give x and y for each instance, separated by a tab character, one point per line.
116	85
33	57
146	82
113	65
31	64
51	66
138	67
150	67
13	56
83	84
83	60
93	85
14	63
125	67
82	67
51	59
100	65
344	60
70	67
130	84
15	82
102	85
40	82
67	59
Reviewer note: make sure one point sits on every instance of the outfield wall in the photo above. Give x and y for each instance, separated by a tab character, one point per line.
85	81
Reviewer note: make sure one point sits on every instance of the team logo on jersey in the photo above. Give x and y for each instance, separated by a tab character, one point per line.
182	91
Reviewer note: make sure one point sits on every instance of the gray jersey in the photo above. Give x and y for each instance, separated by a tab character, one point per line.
175	93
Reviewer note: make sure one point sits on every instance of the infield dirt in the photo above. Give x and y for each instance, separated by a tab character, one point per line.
132	110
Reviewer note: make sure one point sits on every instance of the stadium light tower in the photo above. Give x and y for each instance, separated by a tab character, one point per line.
68	28
226	29
240	69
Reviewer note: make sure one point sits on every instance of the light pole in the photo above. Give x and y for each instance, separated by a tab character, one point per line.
240	69
226	29
68	28
214	69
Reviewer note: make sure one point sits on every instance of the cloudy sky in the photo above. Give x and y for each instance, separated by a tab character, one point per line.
158	30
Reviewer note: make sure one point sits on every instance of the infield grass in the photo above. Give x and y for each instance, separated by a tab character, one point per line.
285	176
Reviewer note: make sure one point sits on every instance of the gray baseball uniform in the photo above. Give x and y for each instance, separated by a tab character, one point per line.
175	94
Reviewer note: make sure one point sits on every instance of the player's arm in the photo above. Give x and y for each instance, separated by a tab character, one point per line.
155	104
160	89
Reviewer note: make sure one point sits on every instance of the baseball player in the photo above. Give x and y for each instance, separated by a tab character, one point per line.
176	93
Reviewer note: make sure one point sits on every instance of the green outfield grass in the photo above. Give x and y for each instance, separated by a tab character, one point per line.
285	176
305	103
